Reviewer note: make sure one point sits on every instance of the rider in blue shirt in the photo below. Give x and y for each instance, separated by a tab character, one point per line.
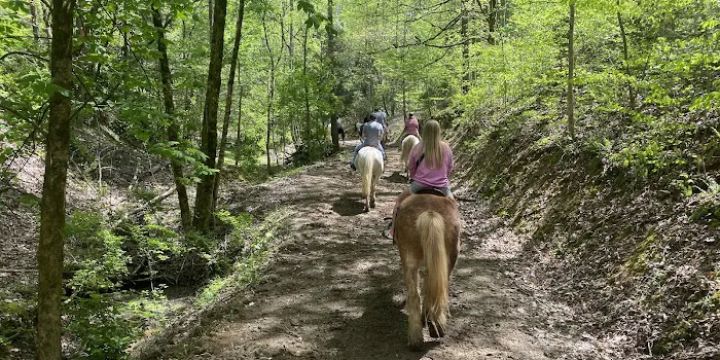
381	117
372	133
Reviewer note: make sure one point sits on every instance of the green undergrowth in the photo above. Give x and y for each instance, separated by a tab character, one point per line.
629	218
260	240
121	282
258	245
17	312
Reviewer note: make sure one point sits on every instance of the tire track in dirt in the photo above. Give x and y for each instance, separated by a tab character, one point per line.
333	289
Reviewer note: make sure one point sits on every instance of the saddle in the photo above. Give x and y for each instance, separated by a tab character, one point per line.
430	191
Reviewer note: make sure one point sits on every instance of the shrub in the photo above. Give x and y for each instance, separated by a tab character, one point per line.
95	254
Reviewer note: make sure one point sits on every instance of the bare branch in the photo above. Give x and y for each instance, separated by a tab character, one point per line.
23	53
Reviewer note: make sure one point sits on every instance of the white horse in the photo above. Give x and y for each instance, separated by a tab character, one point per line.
370	164
407	144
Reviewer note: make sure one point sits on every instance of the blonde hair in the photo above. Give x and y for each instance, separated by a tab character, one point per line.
432	144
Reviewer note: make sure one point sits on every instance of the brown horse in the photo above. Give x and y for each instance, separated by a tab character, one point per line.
427	231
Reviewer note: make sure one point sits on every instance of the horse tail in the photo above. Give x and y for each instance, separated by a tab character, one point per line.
431	227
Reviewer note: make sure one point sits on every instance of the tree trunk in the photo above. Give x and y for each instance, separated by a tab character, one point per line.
336	86
46	21
210	15
173	129
33	19
204	197
626	57
571	73
465	47
404	99
504	18
402	61
269	123
271	96
238	144
306	88
492	21
228	99
52	206
294	127
125	50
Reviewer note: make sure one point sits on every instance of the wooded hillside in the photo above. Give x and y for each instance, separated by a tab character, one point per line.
128	128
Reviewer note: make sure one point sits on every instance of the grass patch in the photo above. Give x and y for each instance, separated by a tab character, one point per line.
246	269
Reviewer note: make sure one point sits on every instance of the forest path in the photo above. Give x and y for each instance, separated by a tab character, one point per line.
333	289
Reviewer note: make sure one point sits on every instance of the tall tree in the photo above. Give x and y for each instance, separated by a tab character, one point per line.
238	143
464	21
173	128
294	124
306	85
626	56
331	47
34	20
492	21
571	73
271	90
204	197
52	206
228	98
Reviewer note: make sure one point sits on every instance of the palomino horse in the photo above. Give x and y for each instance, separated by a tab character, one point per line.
370	164
407	144
427	231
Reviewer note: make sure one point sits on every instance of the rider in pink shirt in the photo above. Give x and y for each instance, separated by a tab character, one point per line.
430	165
425	176
412	126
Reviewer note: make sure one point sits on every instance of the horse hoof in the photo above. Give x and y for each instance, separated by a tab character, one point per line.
436	331
366	209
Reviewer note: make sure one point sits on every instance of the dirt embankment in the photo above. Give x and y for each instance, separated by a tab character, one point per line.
639	263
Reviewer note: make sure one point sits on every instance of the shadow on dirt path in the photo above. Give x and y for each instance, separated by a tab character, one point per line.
333	289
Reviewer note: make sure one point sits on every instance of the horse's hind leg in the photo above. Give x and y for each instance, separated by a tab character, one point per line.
372	191
412	305
366	194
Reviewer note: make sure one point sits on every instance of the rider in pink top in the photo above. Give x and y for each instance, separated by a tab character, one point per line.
428	177
430	165
412	126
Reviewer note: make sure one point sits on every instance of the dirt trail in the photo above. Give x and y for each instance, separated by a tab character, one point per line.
333	290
